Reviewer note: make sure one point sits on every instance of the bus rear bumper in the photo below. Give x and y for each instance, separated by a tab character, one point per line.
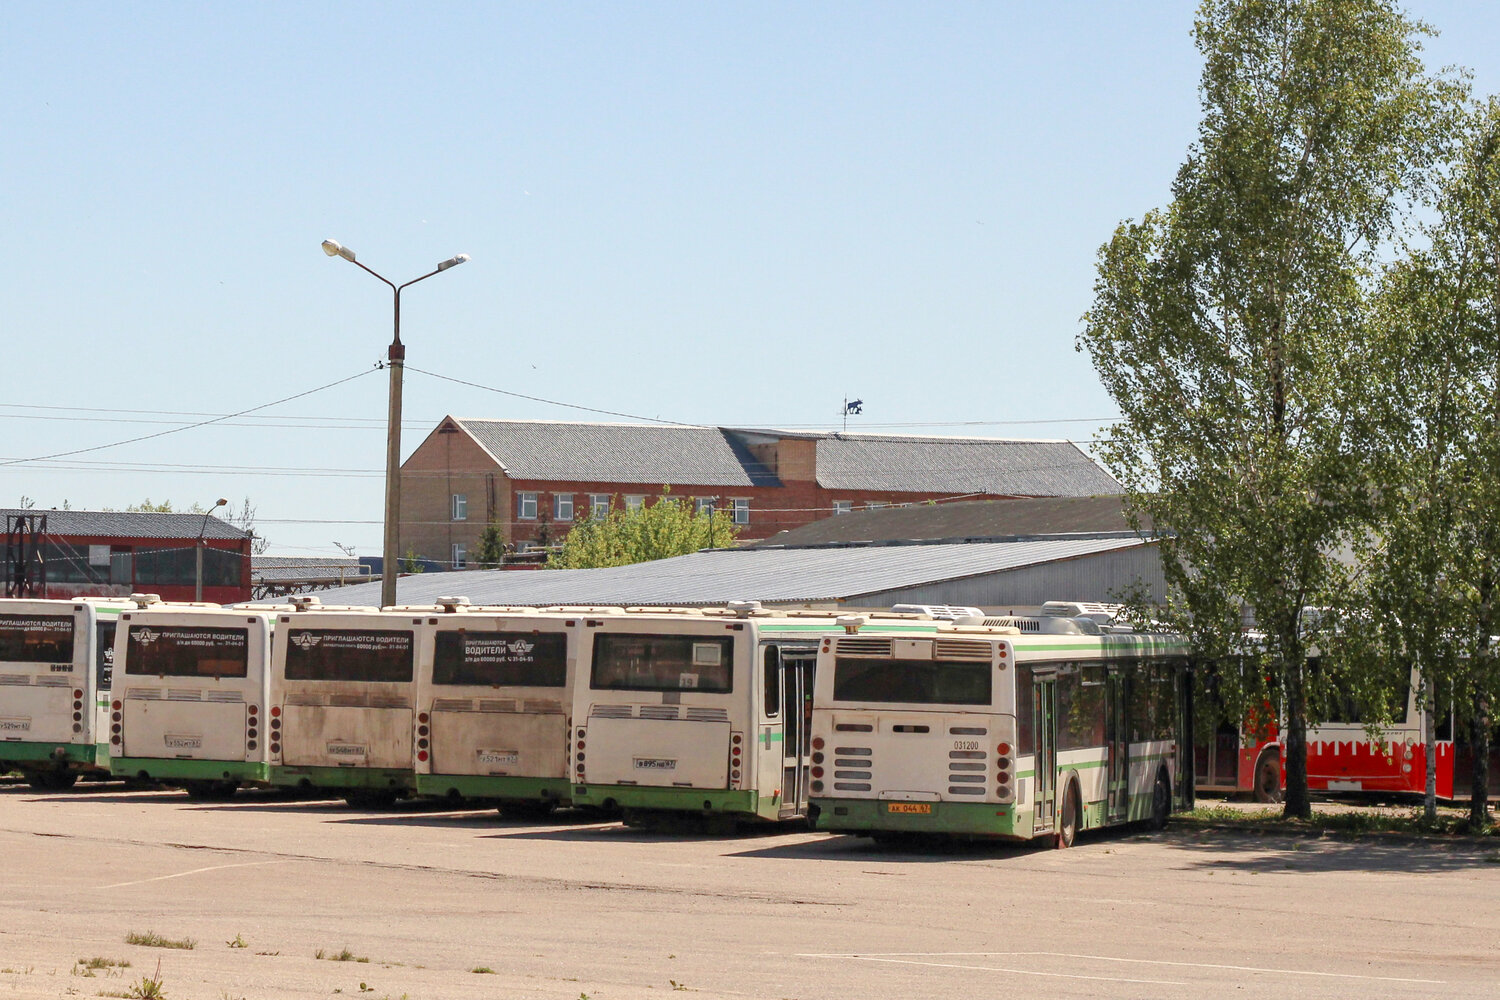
71	756
739	802
975	819
506	788
379	779
168	770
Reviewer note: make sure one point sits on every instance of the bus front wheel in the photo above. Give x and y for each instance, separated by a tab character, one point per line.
1268	777
1161	802
1068	820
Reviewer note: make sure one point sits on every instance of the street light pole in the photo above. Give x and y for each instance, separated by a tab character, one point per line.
396	361
198	576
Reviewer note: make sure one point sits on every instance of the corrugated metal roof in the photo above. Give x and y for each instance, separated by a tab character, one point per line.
619	453
122	524
974	519
959	465
770	575
284	569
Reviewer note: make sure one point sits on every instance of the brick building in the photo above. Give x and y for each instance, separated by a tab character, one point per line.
534	479
106	553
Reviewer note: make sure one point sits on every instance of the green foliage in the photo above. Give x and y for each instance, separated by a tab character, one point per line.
146	506
1231	328
411	562
668	527
489	551
1431	593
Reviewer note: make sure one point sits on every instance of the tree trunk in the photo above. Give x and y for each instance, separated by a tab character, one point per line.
1479	742
1429	729
1298	803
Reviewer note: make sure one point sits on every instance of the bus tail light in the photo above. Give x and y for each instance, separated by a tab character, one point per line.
117	706
77	695
817	743
422	755
1003	749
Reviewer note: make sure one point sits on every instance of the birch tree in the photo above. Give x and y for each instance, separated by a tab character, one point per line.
1230	328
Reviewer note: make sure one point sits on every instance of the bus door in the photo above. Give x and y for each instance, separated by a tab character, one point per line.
1117	744
796	727
1045	720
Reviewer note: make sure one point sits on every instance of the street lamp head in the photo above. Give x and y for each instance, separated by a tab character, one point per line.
334	248
450	262
222	501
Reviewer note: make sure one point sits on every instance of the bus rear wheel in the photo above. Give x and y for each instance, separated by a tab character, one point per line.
1268	778
53	781
210	791
1068	819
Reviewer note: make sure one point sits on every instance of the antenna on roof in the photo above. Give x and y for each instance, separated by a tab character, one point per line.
854	406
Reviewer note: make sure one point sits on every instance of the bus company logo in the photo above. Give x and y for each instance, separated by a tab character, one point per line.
183	742
306	640
15	725
146	637
347	750
521	647
655	764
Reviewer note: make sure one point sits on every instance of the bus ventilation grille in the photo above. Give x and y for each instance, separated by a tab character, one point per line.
184	694
16	679
961	649
142	694
708	715
54	682
389	701
227	697
658	711
612	712
864	647
962	768
852	757
453	705
543	706
506	706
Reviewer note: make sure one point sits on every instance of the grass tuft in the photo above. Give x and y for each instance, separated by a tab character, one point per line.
482	970
151	939
345	955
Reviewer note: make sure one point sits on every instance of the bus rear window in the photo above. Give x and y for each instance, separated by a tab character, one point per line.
379	656
501	659
185	651
915	682
36	638
663	663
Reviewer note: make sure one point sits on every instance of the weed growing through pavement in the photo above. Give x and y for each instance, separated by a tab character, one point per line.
149	988
340	956
238	942
482	970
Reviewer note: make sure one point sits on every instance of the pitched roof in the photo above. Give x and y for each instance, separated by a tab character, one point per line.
127	524
720	456
970	520
959	465
619	453
721	575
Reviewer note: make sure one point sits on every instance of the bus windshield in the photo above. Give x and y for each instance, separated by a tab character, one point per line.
186	651
663	663
501	659
36	638
915	682
371	655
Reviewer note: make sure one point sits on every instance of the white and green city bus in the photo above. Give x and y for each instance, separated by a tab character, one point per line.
189	698
699	710
343	701
494	704
55	662
1040	727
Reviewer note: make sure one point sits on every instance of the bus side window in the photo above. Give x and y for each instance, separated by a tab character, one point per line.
1025	724
772	678
104	654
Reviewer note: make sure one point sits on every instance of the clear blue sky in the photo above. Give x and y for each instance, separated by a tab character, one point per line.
707	213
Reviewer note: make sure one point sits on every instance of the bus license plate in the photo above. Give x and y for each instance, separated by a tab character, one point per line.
919	808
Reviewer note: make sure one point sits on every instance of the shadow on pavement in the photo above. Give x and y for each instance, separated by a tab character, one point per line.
1276	852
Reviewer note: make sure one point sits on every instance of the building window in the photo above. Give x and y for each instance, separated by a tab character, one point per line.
526	506
702	505
460	507
843	506
634	503
598	506
562	507
741	510
460	556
